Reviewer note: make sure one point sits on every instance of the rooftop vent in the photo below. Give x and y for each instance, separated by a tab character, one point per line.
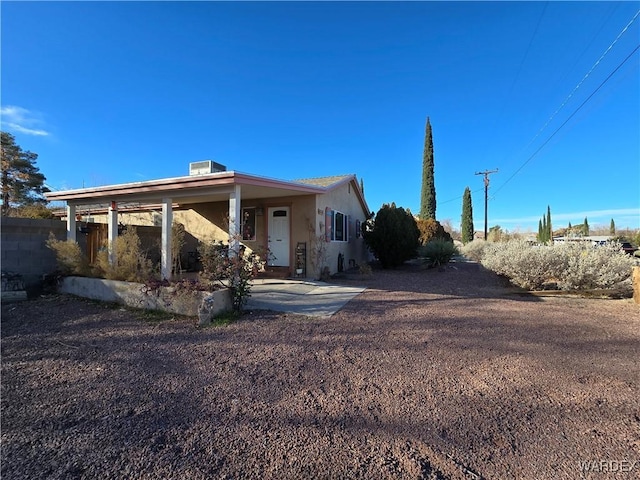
204	167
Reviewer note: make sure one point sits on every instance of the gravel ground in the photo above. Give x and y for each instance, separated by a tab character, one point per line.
427	374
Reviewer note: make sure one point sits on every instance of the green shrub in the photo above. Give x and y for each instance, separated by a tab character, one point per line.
438	252
393	236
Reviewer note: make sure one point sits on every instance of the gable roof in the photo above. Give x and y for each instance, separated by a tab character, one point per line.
325	181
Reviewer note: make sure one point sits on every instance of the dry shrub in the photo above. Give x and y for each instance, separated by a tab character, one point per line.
431	229
71	260
131	265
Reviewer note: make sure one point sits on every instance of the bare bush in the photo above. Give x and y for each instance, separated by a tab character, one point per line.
131	262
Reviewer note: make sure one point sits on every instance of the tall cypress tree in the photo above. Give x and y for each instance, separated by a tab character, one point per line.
466	226
612	228
549	229
540	231
428	196
585	227
362	185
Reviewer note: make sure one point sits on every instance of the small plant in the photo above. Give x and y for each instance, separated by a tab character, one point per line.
318	249
438	252
224	267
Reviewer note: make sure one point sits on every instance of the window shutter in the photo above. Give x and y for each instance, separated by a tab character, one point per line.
328	224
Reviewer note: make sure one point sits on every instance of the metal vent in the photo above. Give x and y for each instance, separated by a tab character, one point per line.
204	167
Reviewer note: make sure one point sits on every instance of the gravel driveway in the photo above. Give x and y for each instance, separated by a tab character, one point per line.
427	374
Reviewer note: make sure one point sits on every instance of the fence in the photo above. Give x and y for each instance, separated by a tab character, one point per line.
24	250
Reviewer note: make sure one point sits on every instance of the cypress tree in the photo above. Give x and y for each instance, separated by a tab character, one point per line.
549	229
540	234
428	197
466	226
612	228
545	230
362	185
585	227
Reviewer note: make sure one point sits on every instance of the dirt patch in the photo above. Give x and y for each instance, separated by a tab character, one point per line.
427	374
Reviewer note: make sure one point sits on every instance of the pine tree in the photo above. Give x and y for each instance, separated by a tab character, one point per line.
428	197
466	226
22	182
612	228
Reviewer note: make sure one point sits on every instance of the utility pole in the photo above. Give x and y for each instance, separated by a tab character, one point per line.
486	174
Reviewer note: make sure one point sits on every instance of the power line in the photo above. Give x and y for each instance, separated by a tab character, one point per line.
593	67
569	118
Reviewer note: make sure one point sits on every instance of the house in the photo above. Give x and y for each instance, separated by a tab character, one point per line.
303	224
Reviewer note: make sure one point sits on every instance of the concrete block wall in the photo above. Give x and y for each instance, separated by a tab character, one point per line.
24	250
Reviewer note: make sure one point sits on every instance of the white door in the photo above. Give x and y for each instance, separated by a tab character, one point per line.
278	236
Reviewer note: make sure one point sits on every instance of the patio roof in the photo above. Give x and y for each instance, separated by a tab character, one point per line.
188	189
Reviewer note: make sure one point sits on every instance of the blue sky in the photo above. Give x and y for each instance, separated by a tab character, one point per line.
548	93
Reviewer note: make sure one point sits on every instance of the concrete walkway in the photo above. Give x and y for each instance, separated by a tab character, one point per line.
302	297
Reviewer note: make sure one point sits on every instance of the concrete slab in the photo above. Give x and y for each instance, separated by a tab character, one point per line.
311	298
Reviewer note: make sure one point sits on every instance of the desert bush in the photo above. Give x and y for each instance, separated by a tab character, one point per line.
571	266
474	250
71	260
589	267
393	236
527	266
438	252
131	263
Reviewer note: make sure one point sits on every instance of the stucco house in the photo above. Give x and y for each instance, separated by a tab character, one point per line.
303	224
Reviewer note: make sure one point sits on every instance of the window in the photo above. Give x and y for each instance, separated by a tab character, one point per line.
249	223
340	227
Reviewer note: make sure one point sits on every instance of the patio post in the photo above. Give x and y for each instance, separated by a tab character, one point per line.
71	222
234	220
167	221
112	231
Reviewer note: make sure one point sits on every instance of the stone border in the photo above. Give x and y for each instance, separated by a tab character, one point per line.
133	295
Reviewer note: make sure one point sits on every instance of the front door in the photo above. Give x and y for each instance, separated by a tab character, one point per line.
278	231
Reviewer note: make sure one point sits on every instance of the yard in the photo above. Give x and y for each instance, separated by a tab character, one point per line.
427	374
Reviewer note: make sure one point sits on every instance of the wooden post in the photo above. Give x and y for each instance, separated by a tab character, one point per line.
636	284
